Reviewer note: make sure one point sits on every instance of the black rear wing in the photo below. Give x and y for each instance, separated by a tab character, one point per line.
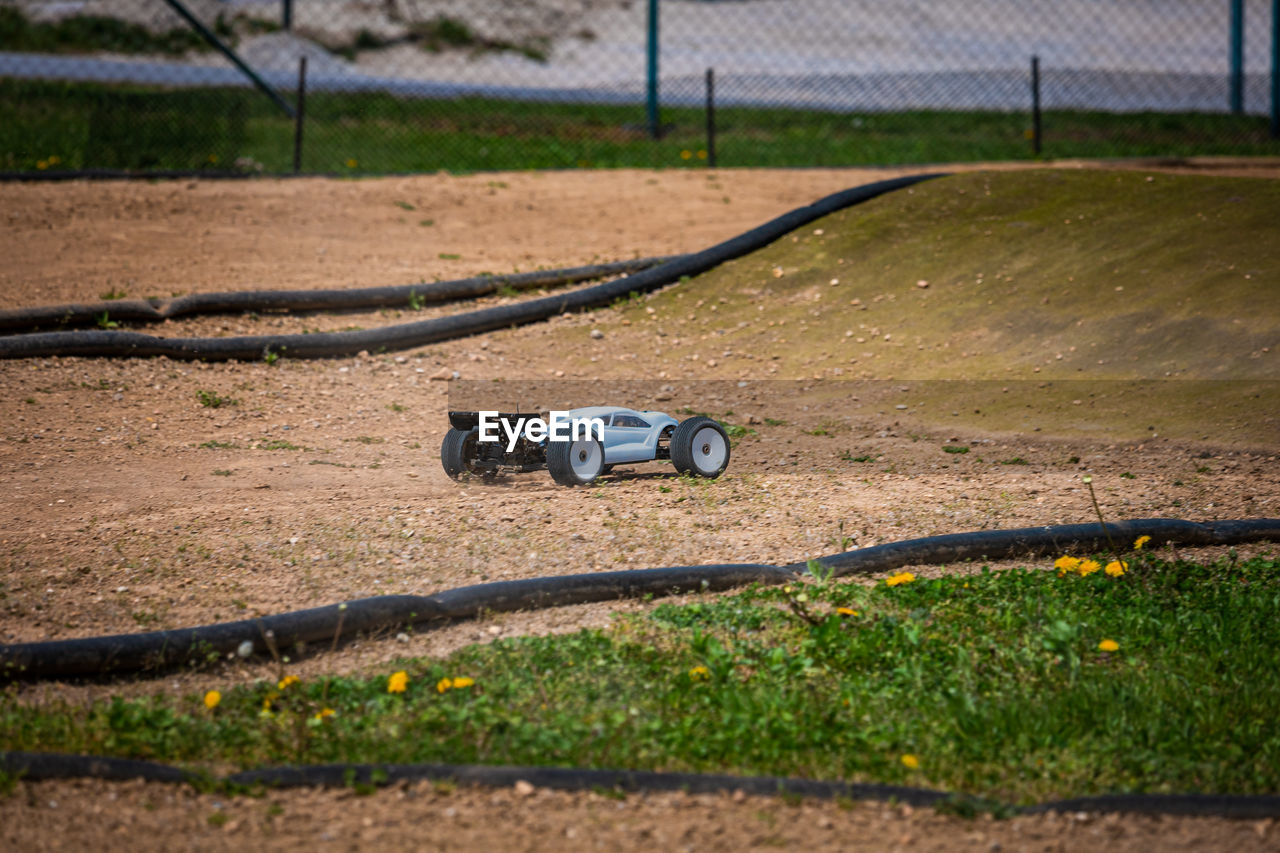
467	421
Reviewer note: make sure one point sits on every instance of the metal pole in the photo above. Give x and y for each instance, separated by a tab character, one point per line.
1275	69
711	118
230	54
1035	105
300	114
1237	56
286	15
652	70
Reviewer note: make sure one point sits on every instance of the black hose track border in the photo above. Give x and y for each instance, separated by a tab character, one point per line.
279	301
45	766
117	344
158	650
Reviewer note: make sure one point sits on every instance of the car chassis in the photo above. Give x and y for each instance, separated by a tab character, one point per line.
698	446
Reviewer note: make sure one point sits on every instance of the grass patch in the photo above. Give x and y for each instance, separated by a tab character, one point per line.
996	684
278	444
214	400
80	124
92	33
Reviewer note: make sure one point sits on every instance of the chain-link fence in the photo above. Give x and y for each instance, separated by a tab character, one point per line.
411	85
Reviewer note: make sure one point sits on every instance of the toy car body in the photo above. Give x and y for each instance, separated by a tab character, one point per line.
697	445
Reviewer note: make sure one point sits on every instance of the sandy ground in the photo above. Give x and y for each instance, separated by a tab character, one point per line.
129	505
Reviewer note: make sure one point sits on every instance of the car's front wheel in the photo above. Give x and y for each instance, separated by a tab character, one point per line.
700	446
575	463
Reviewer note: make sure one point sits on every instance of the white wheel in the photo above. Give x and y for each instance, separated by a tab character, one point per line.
700	447
575	463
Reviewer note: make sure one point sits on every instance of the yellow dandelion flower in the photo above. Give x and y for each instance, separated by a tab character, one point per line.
686	154
1116	568
1066	564
352	162
702	154
288	681
398	682
699	673
846	611
42	164
266	705
1088	567
464	681
213	158
1109	646
910	762
899	578
211	699
54	159
324	714
1140	541
443	684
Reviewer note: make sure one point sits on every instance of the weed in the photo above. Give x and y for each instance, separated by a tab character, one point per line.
848	456
278	444
214	444
1125	475
112	295
449	256
221	472
214	400
395	407
955	448
775	422
426	223
841	541
367	439
404	205
818	572
1017	460
416	301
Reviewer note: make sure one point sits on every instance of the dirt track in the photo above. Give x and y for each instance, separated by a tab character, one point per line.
131	506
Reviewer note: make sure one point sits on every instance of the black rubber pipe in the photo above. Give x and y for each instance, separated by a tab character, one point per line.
155	650
43	766
408	335
162	649
1038	541
156	310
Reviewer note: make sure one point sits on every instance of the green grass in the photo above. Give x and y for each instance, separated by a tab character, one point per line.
91	33
994	683
80	125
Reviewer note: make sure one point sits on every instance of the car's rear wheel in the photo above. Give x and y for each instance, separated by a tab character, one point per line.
458	452
575	463
700	447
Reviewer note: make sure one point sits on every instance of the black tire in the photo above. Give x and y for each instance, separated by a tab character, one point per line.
458	451
575	463
700	446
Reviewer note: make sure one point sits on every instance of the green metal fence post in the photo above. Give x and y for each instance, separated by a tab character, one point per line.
652	70
300	114
1275	69
1237	56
